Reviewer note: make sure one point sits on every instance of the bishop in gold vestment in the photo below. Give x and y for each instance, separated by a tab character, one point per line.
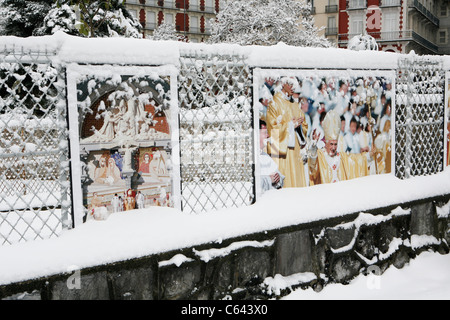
383	150
448	143
284	147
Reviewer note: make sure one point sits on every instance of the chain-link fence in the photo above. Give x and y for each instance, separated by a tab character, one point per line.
34	168
216	135
216	116
419	117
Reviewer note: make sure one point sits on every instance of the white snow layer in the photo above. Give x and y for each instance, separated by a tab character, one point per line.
424	278
138	233
71	49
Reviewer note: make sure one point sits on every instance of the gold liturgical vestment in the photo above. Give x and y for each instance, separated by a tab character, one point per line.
279	113
383	154
326	169
448	143
448	152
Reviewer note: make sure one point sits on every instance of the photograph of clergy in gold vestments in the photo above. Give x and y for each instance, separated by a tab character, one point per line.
448	126
324	127
287	127
327	165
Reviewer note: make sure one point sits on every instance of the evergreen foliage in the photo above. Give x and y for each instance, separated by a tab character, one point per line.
89	18
20	18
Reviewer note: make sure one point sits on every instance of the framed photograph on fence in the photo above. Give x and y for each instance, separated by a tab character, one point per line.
322	126
447	119
124	139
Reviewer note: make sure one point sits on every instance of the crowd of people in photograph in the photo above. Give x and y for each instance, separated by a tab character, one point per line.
316	130
448	138
448	130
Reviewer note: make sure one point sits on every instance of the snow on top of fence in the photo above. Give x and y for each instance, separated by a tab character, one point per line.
130	51
284	56
43	44
126	51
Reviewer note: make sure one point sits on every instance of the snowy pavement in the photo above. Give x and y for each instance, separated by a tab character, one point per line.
427	277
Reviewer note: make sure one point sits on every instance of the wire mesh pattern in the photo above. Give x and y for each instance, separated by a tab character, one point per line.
216	135
34	167
419	117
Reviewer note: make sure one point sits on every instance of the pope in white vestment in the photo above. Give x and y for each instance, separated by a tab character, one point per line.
329	165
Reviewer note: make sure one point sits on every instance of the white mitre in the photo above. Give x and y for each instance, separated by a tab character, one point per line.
332	125
264	93
291	80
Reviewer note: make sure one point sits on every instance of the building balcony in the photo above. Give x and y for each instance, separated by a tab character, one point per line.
194	30
357	5
331	31
393	36
424	42
198	8
415	4
331	9
391	3
172	5
169	4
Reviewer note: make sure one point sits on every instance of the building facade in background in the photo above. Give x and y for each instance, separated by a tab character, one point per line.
397	25
444	27
326	15
190	17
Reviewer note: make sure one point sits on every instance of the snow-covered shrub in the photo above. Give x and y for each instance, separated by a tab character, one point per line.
165	31
266	22
92	18
362	42
59	19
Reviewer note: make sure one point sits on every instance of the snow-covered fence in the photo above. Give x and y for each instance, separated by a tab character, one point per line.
420	117
216	135
34	166
212	92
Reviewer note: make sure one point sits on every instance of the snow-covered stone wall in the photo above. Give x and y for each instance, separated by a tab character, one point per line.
263	265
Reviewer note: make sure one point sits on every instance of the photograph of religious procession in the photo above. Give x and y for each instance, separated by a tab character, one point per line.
318	127
125	143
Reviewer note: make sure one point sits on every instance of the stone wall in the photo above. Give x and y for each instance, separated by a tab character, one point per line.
308	255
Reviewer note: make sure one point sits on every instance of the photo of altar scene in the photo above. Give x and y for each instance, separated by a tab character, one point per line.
125	143
155	187
323	129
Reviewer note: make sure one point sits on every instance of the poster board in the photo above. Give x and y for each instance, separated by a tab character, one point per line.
447	120
295	121
124	135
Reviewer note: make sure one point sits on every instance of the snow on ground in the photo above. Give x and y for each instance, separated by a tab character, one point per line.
427	277
138	233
